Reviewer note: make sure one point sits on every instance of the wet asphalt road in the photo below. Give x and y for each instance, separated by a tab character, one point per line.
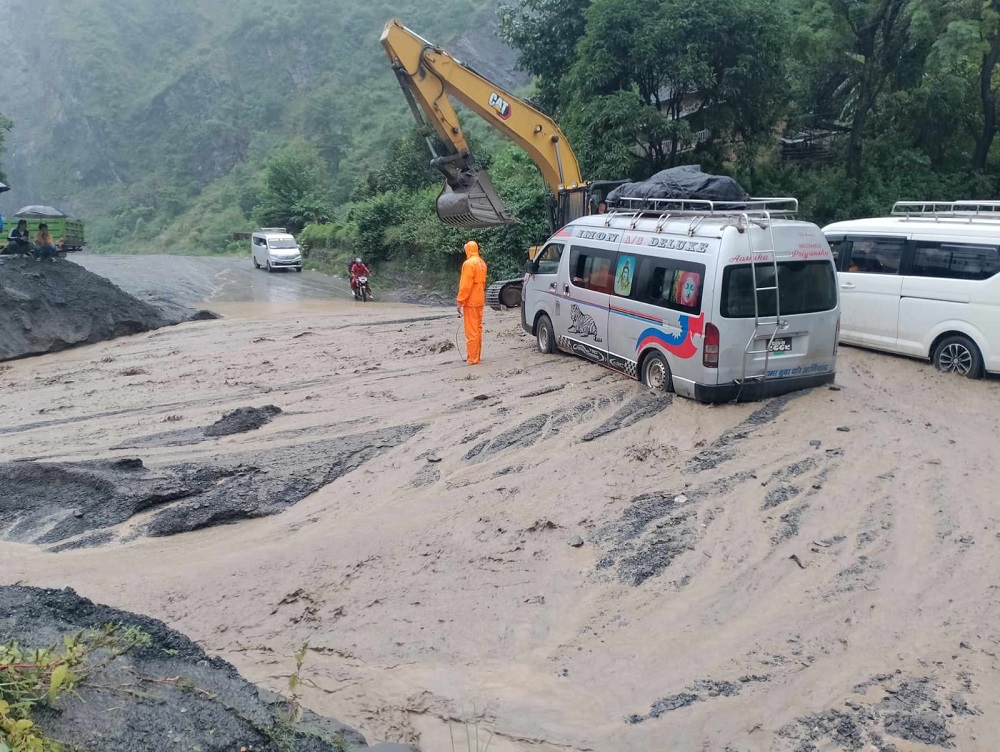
203	280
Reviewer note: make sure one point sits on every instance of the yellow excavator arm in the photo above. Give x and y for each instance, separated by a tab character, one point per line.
429	77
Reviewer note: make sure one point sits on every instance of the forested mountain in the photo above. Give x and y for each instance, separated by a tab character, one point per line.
137	107
171	125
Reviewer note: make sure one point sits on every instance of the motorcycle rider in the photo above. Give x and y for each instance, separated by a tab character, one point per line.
358	269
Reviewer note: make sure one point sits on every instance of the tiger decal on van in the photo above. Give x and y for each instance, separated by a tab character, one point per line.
583	324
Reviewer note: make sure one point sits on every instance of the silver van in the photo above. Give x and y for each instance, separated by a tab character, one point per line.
716	301
274	248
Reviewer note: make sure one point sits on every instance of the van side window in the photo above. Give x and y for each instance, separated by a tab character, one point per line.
548	259
669	283
592	269
955	261
838	246
876	255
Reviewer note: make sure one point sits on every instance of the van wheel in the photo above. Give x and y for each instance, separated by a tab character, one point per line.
959	354
656	373
255	264
545	335
270	269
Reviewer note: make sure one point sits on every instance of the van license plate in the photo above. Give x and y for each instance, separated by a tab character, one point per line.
782	345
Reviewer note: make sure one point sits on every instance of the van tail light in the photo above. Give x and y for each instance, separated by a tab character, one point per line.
710	358
836	338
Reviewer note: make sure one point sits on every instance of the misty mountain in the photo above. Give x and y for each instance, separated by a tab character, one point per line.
137	107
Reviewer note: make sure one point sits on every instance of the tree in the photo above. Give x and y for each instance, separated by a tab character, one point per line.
545	34
296	189
877	34
667	64
969	50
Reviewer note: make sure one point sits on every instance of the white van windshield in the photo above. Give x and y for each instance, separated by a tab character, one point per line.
281	243
804	286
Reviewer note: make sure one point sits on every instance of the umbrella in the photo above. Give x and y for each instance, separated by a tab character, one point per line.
39	212
4	187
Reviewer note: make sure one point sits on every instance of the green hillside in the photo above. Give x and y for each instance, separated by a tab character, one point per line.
155	119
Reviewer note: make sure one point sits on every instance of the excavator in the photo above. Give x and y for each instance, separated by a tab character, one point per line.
430	78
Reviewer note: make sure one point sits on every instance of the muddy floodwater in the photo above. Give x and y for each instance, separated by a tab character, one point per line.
534	548
211	280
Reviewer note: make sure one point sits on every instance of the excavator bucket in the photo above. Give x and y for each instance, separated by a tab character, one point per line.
474	204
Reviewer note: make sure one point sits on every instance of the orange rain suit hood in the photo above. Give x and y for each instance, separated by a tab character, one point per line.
472	298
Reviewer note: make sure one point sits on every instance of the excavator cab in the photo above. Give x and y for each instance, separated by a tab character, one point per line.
470	200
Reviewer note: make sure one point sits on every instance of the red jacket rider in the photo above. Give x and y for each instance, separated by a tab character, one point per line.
358	269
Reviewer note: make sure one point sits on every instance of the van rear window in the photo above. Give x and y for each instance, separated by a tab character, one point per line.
804	286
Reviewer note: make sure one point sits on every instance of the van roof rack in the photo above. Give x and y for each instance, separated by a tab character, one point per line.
936	211
752	207
271	229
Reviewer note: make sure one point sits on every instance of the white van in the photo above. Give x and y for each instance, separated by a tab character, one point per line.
713	300
924	282
274	248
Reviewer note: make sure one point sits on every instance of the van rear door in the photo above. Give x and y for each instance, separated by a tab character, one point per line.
805	341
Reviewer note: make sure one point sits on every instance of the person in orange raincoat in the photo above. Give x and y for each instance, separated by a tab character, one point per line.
472	300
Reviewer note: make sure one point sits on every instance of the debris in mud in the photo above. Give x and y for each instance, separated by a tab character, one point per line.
576	541
540	427
780	495
911	711
163	690
243	420
542	392
50	307
541	526
721	449
653	531
700	691
240	420
41	499
644	406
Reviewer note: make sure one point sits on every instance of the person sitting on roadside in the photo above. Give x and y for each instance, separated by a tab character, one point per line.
19	241
45	246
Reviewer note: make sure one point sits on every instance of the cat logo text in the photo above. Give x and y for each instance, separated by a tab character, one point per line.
501	105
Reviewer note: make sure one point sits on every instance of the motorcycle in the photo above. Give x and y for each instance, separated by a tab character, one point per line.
363	291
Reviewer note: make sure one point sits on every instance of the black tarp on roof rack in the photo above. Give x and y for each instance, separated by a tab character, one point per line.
4	187
685	182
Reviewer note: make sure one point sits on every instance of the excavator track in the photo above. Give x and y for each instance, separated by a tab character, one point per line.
504	294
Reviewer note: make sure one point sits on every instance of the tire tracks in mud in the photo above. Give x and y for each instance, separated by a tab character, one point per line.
544	426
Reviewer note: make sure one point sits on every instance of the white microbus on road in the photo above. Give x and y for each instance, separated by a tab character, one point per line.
716	301
924	282
274	248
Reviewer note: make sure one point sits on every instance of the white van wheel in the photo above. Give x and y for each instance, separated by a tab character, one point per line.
546	337
270	269
656	373
958	354
255	264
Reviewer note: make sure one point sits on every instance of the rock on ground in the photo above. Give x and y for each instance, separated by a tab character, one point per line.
49	306
169	695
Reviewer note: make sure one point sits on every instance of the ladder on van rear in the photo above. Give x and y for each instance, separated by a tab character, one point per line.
765	327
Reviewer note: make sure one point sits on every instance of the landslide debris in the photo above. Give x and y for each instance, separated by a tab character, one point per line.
243	420
79	504
164	693
53	305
